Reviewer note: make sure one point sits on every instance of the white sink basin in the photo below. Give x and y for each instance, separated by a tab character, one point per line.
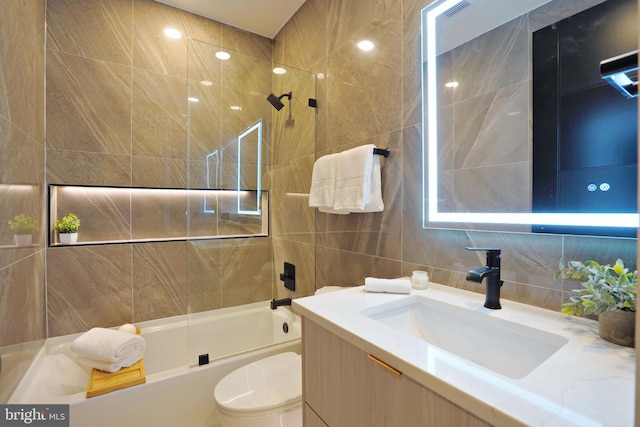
505	347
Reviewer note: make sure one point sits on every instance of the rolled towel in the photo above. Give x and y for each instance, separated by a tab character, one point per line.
109	366
108	348
394	286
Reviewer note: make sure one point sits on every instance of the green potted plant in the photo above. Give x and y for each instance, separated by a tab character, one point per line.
23	227
608	291
67	228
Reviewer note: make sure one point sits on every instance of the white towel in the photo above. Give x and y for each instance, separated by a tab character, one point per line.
108	349
375	203
323	182
394	286
347	182
353	178
109	366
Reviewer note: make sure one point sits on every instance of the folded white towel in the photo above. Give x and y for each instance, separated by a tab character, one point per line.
108	349
353	178
323	182
347	182
109	366
375	203
395	286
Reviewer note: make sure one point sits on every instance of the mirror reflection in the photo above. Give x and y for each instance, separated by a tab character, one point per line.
482	85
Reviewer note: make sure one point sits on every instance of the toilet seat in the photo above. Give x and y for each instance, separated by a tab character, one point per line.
266	386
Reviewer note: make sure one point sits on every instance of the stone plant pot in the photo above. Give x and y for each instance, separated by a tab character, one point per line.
618	327
23	239
68	238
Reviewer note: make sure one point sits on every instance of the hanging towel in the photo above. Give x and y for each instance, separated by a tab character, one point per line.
323	182
108	349
357	190
375	203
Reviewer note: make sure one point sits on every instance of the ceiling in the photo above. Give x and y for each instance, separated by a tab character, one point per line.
263	17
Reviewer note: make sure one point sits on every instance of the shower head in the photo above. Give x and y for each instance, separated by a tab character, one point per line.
276	100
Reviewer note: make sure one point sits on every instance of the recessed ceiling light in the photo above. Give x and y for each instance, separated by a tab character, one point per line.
451	84
320	76
366	45
192	99
172	33
279	70
223	55
206	83
236	107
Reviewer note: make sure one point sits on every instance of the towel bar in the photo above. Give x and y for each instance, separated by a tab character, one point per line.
381	151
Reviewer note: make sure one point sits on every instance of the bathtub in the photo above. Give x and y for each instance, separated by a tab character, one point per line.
178	391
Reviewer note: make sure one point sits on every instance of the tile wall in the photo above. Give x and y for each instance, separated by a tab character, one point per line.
22	270
116	116
375	97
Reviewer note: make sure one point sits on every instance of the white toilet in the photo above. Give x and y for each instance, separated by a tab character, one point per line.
265	393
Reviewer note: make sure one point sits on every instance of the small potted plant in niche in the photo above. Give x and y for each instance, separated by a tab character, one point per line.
608	291
67	228
23	227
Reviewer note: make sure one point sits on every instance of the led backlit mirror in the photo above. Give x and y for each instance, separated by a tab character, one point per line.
480	134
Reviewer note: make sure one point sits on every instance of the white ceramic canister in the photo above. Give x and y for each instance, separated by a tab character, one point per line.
420	280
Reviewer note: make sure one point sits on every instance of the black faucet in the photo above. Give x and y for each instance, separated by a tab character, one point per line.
275	303
492	272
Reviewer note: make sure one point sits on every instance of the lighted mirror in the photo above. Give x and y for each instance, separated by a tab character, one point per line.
482	96
250	153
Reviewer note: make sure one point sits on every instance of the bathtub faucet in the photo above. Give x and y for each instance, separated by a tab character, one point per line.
275	303
492	272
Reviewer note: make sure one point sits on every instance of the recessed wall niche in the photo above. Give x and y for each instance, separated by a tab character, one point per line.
125	214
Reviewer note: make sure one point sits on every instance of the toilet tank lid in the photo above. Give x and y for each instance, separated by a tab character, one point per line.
266	383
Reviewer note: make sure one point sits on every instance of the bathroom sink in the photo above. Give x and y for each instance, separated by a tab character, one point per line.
503	346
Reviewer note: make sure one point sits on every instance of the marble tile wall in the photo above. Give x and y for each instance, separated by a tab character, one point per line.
376	98
22	269
116	116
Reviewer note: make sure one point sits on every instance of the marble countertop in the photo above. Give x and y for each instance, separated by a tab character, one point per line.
587	382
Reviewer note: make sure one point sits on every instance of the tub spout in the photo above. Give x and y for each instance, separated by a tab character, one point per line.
275	303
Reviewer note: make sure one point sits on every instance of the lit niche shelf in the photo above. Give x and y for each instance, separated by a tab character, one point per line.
111	215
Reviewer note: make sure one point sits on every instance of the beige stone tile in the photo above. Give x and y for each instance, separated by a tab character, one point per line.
478	189
246	42
153	51
88	105
81	168
345	268
492	129
160	215
26	154
204	287
17	100
22	301
159	115
292	218
350	19
246	271
498	58
158	172
105	214
88	286
91	28
365	87
159	280
302	42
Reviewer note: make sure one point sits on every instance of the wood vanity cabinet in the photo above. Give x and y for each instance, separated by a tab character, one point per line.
343	387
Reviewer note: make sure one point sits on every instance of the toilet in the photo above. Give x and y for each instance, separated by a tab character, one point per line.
265	393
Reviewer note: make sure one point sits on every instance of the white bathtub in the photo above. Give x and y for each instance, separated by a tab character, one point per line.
177	392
